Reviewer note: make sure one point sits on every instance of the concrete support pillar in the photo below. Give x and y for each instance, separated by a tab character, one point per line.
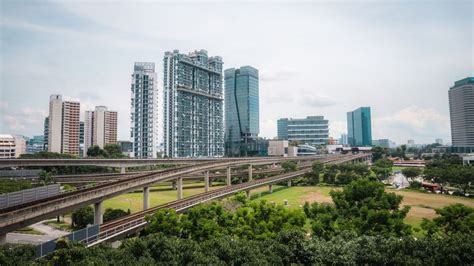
229	177
270	188
146	197
3	239
250	172
206	181
289	183
180	188
247	193
122	170
98	212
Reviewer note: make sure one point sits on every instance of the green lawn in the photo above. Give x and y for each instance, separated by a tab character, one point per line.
60	226
159	194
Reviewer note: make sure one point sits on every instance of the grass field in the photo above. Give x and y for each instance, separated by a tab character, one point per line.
423	205
158	195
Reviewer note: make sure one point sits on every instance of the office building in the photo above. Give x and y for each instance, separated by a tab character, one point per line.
193	104
461	110
359	128
46	133
144	110
311	130
35	144
281	148
384	143
126	147
63	126
439	141
241	111
343	139
12	146
100	128
411	143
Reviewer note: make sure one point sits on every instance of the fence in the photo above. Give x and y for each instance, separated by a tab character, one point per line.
19	174
79	235
28	195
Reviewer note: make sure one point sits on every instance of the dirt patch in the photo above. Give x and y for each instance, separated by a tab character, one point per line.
317	197
431	200
418	212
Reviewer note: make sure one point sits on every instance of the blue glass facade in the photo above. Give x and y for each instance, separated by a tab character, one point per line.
359	128
241	110
313	130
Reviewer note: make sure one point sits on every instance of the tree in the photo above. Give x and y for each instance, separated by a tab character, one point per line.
362	207
166	221
289	166
45	178
452	219
382	168
316	170
82	217
96	151
411	172
113	151
378	152
112	214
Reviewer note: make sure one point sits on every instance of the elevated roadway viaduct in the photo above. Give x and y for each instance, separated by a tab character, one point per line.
23	215
132	223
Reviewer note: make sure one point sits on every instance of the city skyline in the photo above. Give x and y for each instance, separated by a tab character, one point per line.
330	87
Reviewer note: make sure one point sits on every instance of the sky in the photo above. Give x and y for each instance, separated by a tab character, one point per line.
314	57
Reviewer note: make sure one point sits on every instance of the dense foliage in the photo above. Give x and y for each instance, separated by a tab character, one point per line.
286	248
252	220
109	151
363	208
382	168
334	174
450	170
452	219
7	186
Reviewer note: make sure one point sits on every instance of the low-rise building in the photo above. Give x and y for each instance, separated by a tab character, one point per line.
281	148
12	146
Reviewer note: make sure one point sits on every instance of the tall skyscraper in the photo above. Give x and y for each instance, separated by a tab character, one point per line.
461	110
100	128
312	130
343	139
63	126
359	128
193	121
46	133
241	109
144	111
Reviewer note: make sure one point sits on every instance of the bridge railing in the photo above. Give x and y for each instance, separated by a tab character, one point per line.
28	195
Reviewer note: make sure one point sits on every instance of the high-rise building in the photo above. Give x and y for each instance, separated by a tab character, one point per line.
439	141
241	110
81	138
410	143
63	126
461	110
359	128
193	121
144	110
35	144
100	128
384	143
343	139
46	133
311	130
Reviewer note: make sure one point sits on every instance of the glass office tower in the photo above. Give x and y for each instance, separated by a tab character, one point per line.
241	111
359	128
193	105
461	111
312	130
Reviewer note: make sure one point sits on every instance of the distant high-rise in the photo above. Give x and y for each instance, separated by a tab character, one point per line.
311	130
241	109
359	128
100	128
461	110
343	139
193	121
439	141
63	126
46	133
144	111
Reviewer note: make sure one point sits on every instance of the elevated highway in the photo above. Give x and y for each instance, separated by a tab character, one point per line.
23	215
132	223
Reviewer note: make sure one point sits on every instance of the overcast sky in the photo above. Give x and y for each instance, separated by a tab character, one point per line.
315	58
